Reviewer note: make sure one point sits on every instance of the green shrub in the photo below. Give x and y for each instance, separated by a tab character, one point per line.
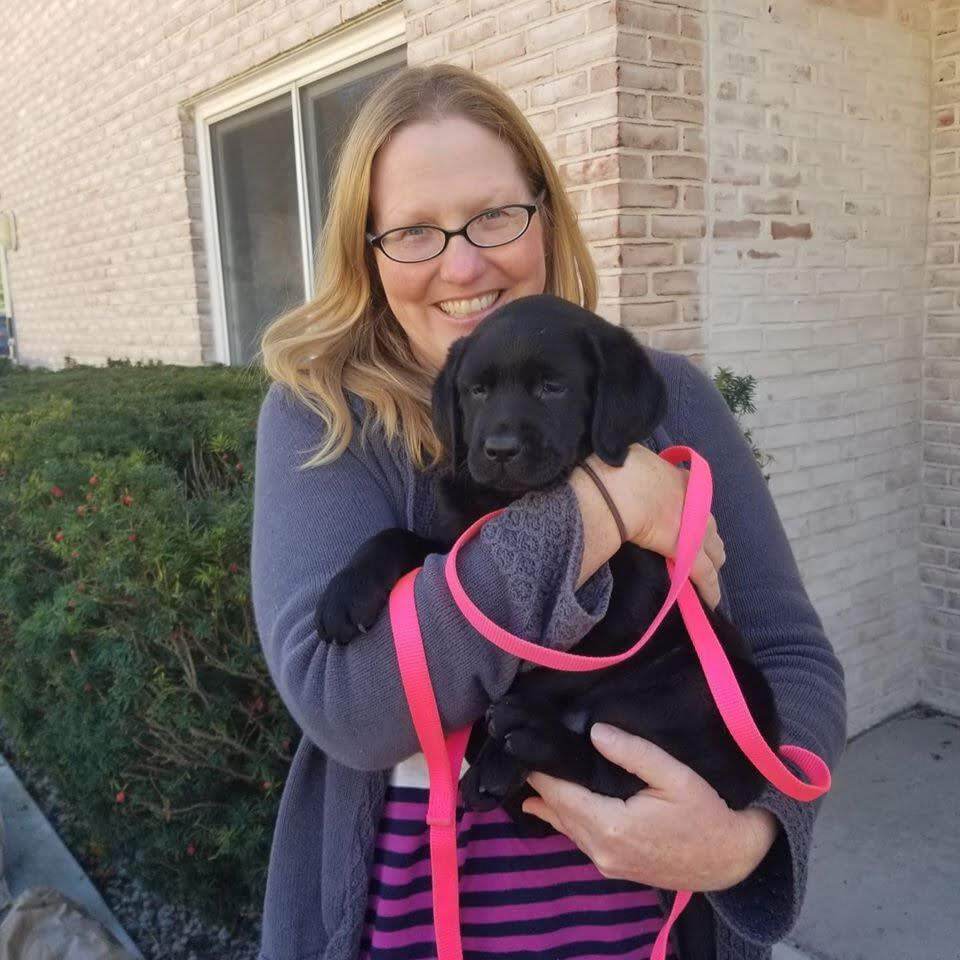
738	391
130	670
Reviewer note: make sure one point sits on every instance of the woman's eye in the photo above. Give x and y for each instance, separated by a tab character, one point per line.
552	387
478	391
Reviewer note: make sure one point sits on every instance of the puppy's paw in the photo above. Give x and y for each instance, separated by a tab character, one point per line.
349	606
538	747
491	779
508	713
536	739
474	793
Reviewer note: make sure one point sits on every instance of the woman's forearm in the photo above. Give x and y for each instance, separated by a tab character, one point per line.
601	539
648	493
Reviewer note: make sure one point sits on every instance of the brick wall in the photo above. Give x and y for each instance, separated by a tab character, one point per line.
797	257
616	90
940	518
99	165
819	183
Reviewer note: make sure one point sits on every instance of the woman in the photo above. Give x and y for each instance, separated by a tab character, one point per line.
441	147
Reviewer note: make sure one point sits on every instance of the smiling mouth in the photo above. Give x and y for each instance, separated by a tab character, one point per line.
467	309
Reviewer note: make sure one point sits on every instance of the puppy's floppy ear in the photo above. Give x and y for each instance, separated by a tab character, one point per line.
630	397
445	404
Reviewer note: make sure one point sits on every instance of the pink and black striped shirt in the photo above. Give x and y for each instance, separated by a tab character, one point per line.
522	898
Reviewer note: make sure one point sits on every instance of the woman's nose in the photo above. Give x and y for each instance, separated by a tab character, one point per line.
461	262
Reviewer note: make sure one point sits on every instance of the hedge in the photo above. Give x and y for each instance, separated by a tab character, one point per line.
130	670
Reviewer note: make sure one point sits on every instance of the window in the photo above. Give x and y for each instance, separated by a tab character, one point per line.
267	152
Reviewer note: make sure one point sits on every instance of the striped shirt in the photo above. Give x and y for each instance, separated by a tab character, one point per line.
522	898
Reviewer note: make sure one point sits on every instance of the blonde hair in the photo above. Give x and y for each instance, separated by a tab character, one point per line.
346	337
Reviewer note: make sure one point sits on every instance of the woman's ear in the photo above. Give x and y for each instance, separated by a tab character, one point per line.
630	397
445	404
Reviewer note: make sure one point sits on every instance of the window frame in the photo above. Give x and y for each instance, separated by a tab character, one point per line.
351	44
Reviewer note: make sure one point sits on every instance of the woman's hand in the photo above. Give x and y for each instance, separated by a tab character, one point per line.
677	834
649	494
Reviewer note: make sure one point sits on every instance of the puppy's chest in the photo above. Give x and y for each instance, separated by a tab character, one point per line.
451	508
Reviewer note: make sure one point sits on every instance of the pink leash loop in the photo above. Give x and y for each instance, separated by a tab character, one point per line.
693	522
444	757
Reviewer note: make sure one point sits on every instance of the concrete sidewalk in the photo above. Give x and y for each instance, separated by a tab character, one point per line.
36	856
885	877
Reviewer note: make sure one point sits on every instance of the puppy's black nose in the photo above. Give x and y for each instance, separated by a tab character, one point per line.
501	446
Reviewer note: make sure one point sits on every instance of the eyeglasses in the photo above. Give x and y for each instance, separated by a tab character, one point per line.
491	228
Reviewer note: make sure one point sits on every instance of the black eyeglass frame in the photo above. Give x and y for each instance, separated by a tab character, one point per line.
376	240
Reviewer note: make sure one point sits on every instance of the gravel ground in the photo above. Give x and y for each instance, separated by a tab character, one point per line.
160	929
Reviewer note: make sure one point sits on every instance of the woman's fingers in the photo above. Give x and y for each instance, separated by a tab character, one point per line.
706	569
713	545
705	579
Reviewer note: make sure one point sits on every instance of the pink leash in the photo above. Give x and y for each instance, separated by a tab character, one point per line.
444	756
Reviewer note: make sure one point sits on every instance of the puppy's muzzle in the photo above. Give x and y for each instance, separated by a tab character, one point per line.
502	447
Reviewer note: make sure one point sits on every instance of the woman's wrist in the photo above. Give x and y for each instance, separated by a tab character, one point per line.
611	505
621	484
601	539
757	833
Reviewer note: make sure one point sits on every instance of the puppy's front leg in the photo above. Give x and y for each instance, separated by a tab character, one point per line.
353	599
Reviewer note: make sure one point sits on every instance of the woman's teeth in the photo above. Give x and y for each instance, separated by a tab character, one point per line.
466	308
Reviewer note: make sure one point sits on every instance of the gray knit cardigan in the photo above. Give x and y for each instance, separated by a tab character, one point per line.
521	571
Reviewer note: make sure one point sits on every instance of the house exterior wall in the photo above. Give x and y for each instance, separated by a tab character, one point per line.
752	177
819	182
99	164
940	518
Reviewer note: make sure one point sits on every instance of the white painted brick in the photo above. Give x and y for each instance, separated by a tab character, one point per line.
841	153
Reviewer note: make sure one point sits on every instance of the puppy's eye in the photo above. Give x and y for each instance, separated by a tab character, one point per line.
552	388
478	391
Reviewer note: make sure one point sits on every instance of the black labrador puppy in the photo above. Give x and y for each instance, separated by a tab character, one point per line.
540	384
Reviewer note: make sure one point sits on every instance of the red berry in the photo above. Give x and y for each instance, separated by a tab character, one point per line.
94	480
81	510
239	468
265	785
75	554
233	568
56	491
58	536
132	537
126	499
191	849
121	796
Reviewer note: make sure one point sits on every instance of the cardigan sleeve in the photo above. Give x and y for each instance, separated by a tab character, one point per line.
763	594
521	570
